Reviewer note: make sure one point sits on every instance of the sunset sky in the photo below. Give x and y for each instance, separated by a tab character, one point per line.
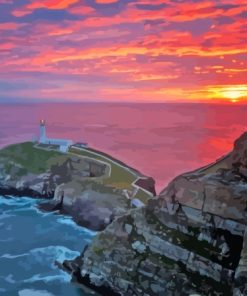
123	50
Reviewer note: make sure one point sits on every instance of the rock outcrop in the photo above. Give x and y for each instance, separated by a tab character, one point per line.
191	240
77	185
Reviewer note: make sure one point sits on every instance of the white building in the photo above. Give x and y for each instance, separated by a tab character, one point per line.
62	143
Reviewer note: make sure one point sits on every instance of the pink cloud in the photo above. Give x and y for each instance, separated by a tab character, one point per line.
49	4
133	53
10	26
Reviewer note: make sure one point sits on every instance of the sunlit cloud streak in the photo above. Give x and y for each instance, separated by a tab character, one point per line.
133	50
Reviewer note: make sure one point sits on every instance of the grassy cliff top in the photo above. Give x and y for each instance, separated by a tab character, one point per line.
31	158
121	176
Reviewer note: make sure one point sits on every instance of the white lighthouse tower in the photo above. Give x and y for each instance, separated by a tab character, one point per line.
42	130
59	144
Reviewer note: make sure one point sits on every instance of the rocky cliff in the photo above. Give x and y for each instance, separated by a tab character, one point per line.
191	240
80	183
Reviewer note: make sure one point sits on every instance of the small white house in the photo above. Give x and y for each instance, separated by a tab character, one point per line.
63	144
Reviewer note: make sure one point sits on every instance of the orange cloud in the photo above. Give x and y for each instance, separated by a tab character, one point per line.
49	4
163	53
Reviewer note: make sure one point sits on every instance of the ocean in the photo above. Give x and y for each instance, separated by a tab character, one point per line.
30	243
160	140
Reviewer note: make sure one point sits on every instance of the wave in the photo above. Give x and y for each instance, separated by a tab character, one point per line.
31	292
68	221
9	256
60	253
63	277
17	201
9	279
46	214
57	253
5	215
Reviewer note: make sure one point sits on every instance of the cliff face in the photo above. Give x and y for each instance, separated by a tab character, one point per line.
79	185
24	167
192	239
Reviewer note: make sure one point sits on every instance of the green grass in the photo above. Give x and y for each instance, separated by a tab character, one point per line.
120	177
30	159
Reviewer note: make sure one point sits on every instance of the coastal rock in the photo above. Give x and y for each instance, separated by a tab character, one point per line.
191	240
86	184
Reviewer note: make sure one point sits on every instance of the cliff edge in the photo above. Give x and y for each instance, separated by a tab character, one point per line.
191	240
88	185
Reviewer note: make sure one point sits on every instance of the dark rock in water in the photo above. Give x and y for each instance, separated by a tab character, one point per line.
191	240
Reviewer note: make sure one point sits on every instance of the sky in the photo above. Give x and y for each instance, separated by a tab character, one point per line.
123	50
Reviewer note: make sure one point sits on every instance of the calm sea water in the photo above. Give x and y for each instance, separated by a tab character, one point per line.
161	140
30	243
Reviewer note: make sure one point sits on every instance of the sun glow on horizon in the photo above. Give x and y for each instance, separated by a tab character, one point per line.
235	93
232	93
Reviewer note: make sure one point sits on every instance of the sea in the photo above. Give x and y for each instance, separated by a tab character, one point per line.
160	140
31	242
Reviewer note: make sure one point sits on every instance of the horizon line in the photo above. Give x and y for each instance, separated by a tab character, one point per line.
123	102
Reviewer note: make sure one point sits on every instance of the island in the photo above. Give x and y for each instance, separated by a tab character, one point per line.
190	239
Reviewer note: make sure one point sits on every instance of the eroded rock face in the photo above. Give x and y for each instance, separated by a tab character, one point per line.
14	177
241	271
191	240
150	252
91	205
66	180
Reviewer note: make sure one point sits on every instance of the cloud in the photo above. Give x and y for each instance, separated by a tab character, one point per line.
48	4
81	9
6	46
10	26
6	1
51	4
141	49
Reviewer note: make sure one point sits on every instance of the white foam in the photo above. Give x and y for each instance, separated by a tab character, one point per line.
63	277
60	253
68	221
17	201
31	292
9	256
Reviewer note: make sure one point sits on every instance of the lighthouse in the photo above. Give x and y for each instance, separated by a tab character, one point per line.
42	130
60	144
